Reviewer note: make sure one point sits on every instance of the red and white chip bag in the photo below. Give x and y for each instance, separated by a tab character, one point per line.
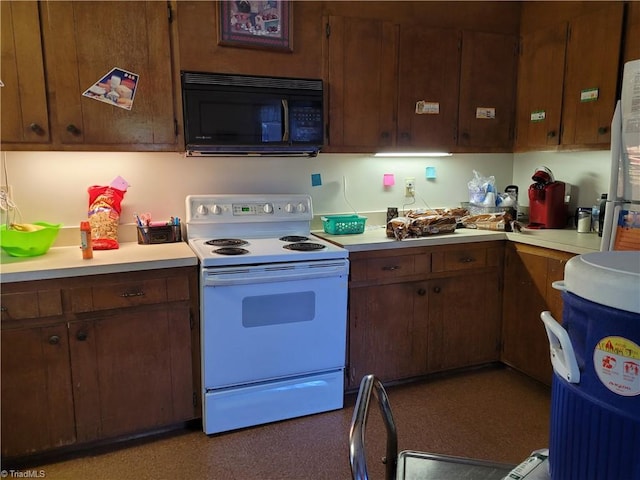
104	213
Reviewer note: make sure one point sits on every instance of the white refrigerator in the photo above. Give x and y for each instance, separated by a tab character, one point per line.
621	227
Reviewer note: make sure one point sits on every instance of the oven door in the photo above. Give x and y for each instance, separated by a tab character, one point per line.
266	322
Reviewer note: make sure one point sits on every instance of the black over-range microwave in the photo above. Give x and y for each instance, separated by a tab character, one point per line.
227	114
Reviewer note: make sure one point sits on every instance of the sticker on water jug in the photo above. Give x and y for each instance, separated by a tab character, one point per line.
617	364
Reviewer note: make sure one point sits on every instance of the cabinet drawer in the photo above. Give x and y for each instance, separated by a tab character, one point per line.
393	267
119	295
41	303
460	259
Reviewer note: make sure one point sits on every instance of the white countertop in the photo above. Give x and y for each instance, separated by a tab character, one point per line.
375	238
66	261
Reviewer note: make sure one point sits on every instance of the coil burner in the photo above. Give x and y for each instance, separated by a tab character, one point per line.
304	246
294	238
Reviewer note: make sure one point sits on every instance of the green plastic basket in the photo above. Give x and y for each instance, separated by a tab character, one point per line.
343	224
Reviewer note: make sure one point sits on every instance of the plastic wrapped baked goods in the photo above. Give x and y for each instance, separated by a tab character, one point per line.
502	221
415	225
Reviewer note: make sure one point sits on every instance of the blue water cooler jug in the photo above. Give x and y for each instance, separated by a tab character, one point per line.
595	353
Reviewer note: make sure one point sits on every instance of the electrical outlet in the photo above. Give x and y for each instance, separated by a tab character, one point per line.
409	187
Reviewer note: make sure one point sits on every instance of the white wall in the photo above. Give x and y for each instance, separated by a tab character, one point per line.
587	172
52	186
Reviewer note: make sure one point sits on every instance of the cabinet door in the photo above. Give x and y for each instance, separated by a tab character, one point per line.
632	32
361	70
464	321
429	72
84	41
25	118
388	331
525	344
540	79
131	371
593	53
487	90
37	398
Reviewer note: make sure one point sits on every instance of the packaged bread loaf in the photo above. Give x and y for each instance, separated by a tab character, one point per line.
502	221
422	224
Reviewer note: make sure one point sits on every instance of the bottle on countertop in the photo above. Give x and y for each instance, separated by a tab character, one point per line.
595	217
603	204
86	243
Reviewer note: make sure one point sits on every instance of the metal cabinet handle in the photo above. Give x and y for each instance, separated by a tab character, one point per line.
3	309
437	289
82	336
390	268
422	292
551	134
467	260
602	130
54	339
139	293
73	130
37	129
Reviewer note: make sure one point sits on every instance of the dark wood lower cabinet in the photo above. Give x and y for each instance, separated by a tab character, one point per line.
528	291
424	310
464	321
100	369
37	397
388	331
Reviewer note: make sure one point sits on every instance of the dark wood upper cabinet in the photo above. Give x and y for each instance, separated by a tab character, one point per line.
593	54
568	74
429	72
25	117
361	72
540	79
52	52
407	86
487	90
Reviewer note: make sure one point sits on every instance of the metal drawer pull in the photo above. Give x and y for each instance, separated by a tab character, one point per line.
4	309
467	260
391	268
436	290
422	292
139	293
54	339
82	336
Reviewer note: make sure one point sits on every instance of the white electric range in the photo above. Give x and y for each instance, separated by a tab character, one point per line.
273	307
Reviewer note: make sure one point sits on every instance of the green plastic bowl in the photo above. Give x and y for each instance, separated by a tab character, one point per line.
28	244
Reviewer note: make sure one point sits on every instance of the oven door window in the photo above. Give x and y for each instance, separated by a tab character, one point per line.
265	310
253	332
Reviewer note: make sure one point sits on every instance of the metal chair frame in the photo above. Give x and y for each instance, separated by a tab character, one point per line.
357	455
398	464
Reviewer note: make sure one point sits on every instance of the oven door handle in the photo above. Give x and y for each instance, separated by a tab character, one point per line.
271	276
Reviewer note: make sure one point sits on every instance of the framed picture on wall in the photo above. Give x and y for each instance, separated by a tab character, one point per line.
255	24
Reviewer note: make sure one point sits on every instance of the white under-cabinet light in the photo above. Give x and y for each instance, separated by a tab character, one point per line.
412	154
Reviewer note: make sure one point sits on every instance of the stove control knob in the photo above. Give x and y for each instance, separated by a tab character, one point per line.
302	208
289	208
202	210
216	210
267	208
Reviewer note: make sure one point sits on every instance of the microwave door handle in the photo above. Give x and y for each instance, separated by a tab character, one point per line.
285	106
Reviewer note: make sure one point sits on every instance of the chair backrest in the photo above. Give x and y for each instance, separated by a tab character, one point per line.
357	456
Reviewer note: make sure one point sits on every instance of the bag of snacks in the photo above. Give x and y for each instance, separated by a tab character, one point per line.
104	213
